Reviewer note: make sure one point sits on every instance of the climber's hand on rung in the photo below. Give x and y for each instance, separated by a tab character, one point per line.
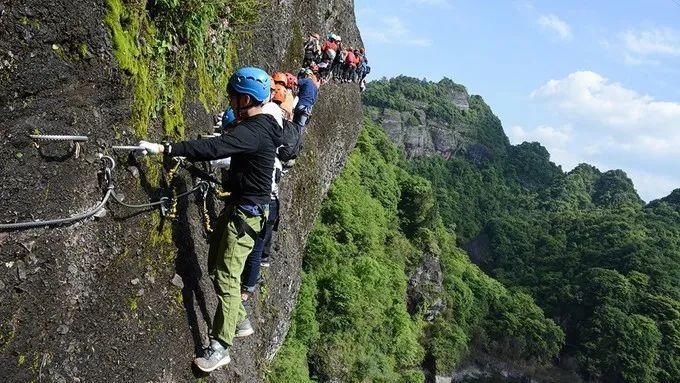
150	148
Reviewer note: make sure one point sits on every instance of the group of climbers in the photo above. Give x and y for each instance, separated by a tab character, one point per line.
259	138
257	141
330	60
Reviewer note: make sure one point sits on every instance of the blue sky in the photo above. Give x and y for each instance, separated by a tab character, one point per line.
593	81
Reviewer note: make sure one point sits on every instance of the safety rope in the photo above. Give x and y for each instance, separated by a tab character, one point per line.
74	140
77	217
108	164
62	221
206	213
169	176
141	206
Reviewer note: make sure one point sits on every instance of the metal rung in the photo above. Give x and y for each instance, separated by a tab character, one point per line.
75	140
127	147
48	137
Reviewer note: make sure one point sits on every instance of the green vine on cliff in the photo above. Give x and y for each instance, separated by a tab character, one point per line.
161	43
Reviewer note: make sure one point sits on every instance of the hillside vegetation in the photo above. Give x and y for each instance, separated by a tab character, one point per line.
378	226
389	295
597	260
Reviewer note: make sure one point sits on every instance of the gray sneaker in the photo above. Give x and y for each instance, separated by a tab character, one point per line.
214	357
243	328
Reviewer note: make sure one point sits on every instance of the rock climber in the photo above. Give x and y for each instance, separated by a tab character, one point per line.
251	144
308	90
329	48
350	65
292	84
312	49
338	66
280	108
363	64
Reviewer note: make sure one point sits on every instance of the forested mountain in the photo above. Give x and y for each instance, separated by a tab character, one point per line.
598	261
386	291
441	245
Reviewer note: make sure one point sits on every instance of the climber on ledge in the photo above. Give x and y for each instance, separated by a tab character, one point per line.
251	144
312	49
308	90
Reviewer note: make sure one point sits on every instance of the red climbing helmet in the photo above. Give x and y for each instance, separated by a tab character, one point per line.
291	81
279	78
314	67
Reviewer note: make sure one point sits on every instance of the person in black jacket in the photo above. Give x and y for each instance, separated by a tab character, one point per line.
251	144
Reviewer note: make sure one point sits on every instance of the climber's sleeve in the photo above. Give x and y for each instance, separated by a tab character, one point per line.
241	139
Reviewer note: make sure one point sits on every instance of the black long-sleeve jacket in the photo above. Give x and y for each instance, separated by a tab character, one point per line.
252	147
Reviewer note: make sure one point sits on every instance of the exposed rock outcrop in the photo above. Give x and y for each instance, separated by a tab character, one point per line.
435	118
425	289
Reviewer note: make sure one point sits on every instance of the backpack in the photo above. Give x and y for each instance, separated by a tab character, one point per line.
292	142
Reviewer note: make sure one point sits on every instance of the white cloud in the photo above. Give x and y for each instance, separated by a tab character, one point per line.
629	59
556	140
555	136
394	31
394	26
547	135
645	47
555	24
648	146
362	12
591	97
652	185
614	125
419	42
517	134
657	41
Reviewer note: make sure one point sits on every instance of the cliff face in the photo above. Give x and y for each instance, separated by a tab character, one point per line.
418	135
100	300
426	118
422	135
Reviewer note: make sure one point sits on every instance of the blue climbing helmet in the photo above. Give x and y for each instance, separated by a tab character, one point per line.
228	118
251	81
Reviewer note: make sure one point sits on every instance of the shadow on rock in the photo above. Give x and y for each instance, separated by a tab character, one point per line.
188	268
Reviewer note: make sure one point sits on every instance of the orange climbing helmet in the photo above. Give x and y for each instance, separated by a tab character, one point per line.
279	78
279	93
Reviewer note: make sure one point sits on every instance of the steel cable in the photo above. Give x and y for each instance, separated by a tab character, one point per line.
61	221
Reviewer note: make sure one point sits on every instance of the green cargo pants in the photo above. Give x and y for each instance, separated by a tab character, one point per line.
228	252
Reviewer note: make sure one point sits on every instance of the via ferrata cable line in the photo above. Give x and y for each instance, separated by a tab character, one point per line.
108	164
